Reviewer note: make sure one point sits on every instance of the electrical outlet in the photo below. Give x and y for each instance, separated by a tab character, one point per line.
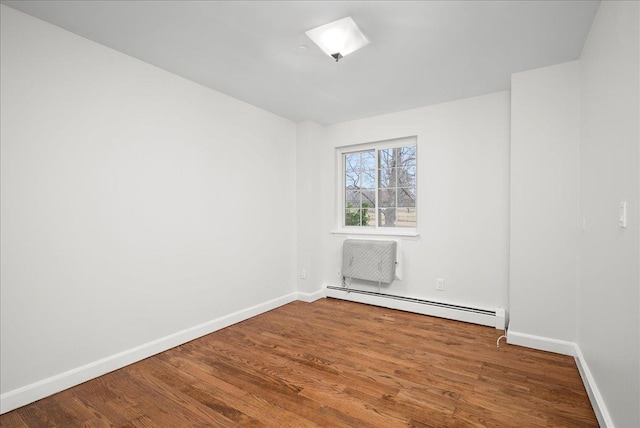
622	214
440	284
303	274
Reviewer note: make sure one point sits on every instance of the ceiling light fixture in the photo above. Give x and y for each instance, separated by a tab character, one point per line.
338	38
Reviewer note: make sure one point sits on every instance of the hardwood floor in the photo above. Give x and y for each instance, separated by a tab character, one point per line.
330	363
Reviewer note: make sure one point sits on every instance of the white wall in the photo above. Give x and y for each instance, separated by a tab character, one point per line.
608	311
602	314
135	204
463	194
544	202
309	212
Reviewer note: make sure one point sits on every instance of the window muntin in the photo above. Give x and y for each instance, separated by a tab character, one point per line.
379	186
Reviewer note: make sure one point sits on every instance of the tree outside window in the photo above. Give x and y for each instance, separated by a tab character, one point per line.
380	187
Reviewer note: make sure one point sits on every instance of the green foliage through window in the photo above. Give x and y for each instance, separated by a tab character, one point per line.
357	216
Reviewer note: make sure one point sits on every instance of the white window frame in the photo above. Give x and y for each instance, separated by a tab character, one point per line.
340	189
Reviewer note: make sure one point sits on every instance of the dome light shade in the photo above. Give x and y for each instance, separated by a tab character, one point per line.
338	38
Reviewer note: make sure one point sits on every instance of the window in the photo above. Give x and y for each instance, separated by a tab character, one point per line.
379	185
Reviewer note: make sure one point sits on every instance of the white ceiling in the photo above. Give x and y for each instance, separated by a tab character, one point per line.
421	52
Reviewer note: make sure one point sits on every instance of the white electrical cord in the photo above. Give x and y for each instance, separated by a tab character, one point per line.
504	336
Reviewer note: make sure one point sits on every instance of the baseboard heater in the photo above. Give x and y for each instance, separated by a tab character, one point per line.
426	307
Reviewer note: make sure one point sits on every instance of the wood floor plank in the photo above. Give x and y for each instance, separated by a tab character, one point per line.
242	399
12	419
330	363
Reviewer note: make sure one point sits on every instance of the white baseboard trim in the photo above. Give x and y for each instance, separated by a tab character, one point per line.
28	394
597	402
572	349
542	343
408	306
311	297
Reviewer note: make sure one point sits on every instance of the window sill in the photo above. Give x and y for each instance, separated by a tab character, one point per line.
375	232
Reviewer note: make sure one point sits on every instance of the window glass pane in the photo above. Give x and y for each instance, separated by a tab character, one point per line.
368	179
407	197
406	217
387	177
359	217
386	158
352	162
387	217
370	213
368	161
405	156
351	180
369	198
352	217
352	198
407	176
387	198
